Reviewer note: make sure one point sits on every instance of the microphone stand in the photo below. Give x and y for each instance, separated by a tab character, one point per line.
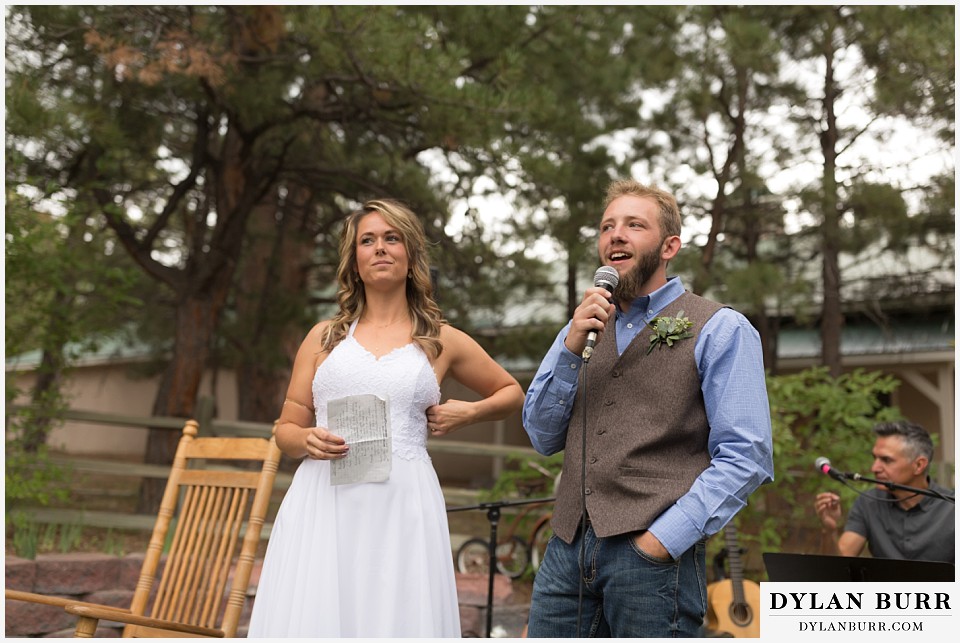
896	486
493	515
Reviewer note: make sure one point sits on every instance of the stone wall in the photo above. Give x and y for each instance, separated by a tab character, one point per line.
109	580
94	578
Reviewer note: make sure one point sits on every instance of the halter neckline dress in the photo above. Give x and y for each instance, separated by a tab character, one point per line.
367	559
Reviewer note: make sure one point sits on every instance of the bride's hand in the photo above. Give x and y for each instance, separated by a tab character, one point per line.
323	445
449	416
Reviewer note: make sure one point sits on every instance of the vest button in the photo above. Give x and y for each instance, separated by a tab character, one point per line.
593	459
616	373
608	402
601	431
587	492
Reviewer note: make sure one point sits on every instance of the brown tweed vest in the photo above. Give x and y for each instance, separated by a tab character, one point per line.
646	430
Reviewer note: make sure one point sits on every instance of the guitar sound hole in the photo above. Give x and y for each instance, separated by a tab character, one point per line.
741	614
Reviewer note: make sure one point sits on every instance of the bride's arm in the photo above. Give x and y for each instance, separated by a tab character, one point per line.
466	361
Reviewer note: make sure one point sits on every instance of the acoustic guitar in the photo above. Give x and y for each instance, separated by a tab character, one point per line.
733	604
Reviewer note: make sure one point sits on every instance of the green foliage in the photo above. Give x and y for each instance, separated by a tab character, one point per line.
113	545
29	538
912	49
31	258
813	413
31	478
939	204
668	330
48	536
60	537
526	477
878	210
63	290
26	534
70	536
769	283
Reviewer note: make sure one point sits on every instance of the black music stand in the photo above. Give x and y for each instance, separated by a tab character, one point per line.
798	568
493	515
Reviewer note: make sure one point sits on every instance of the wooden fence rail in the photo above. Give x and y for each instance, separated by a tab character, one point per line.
212	427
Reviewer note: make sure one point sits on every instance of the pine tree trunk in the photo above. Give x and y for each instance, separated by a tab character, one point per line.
197	318
238	184
272	292
831	321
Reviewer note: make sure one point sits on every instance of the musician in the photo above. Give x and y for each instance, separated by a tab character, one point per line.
899	524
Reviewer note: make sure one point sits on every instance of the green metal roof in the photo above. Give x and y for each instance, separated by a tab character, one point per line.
867	339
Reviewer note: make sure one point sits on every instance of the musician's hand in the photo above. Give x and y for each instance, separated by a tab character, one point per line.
828	509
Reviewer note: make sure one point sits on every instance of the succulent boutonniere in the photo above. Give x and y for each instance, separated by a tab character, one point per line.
667	330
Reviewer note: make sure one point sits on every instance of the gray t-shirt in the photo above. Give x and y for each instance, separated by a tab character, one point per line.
925	532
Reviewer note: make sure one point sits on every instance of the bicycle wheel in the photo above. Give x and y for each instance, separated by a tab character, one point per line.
539	542
473	557
513	556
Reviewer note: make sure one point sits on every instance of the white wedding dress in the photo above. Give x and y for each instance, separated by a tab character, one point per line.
367	559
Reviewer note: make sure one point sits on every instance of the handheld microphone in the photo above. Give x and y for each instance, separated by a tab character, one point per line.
823	466
607	278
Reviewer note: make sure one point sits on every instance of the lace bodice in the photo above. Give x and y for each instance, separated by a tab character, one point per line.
404	376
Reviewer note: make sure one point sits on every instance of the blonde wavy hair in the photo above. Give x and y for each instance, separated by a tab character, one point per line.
351	297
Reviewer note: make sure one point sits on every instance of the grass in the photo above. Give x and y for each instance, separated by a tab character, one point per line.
30	539
27	538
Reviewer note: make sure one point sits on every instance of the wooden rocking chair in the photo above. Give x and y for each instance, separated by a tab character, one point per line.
215	506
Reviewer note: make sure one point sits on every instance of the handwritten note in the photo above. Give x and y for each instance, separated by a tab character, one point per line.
364	422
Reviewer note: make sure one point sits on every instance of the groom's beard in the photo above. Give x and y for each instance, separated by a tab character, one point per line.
631	283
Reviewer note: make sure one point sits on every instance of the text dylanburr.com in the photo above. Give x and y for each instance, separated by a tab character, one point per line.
799	610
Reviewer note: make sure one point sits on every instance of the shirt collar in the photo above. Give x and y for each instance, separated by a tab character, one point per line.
658	299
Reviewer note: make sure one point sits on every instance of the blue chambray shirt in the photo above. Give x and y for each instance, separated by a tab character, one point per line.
730	363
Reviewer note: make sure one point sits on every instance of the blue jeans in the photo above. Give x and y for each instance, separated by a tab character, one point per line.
627	593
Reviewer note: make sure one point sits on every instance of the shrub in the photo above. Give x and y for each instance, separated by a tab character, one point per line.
813	414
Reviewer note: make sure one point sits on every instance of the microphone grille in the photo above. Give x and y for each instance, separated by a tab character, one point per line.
606	277
820	462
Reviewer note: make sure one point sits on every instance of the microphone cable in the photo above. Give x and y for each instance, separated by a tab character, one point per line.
605	277
583	497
